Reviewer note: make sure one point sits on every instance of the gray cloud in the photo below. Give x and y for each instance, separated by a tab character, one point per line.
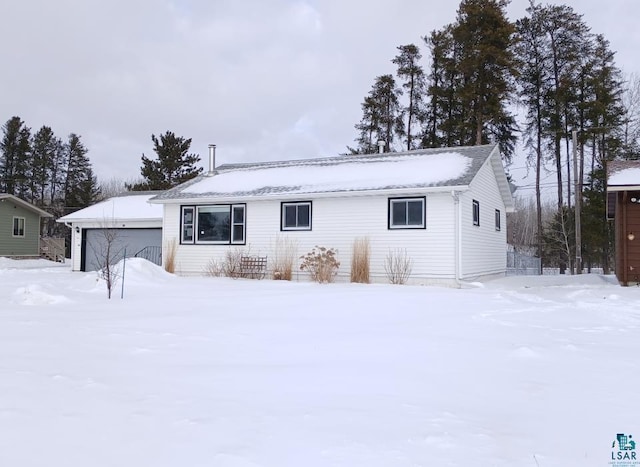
262	79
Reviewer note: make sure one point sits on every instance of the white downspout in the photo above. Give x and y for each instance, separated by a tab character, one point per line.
457	237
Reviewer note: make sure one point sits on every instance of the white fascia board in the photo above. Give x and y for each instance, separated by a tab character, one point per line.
623	188
108	221
311	195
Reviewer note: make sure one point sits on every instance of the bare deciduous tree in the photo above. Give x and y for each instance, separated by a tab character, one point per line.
108	251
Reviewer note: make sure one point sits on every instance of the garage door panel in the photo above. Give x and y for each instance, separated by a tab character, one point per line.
129	240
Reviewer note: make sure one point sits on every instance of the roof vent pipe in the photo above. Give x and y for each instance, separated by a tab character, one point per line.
212	158
381	146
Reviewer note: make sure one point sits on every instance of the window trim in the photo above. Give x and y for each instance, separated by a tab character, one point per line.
14	225
230	207
475	208
498	220
392	201
284	204
193	225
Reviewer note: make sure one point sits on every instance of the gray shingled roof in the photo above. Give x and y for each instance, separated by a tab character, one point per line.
476	154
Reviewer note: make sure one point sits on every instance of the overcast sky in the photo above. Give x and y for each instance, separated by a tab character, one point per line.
261	79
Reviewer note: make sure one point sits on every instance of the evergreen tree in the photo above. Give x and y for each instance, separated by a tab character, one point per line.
382	117
46	161
534	77
81	187
487	66
444	111
471	79
15	149
414	84
173	166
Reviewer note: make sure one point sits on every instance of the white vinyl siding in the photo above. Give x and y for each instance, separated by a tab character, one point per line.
337	222
483	249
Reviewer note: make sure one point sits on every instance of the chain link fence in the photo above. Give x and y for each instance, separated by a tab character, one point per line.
522	265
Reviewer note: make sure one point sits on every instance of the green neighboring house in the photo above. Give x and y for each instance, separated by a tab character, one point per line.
19	227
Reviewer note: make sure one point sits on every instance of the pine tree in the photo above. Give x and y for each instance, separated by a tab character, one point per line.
471	79
382	117
173	166
445	114
15	149
81	187
487	66
531	50
45	162
414	84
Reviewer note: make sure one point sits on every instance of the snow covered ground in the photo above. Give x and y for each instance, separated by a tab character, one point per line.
524	371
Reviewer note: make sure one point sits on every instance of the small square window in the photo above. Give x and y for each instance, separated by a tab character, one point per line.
296	216
18	226
476	212
498	219
407	213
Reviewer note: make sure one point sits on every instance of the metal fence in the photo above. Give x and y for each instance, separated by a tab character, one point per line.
522	265
151	253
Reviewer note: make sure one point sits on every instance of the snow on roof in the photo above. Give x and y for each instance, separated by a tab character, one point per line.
630	176
125	207
412	169
394	171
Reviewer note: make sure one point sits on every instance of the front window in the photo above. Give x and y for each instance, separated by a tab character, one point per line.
215	224
296	216
407	213
18	226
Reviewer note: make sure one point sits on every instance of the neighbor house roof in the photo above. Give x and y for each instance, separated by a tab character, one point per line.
126	207
623	175
24	204
430	169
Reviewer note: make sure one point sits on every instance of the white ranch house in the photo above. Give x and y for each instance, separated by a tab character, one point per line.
445	207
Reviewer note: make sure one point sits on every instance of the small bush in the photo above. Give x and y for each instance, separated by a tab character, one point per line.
214	268
398	266
321	263
286	250
231	266
360	260
170	260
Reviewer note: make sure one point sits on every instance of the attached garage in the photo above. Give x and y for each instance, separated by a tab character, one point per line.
136	242
126	223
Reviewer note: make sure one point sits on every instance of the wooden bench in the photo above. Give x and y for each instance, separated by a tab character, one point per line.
253	267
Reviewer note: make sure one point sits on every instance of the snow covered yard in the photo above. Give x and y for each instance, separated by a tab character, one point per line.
527	371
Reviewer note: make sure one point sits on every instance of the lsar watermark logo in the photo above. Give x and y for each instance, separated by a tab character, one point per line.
623	452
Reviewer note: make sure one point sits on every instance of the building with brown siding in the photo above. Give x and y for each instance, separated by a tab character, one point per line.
623	207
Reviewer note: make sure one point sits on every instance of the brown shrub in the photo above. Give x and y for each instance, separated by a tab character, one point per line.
322	264
360	260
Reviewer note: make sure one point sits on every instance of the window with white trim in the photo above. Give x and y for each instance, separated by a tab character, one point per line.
217	224
407	213
498	219
476	212
296	216
18	226
188	223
